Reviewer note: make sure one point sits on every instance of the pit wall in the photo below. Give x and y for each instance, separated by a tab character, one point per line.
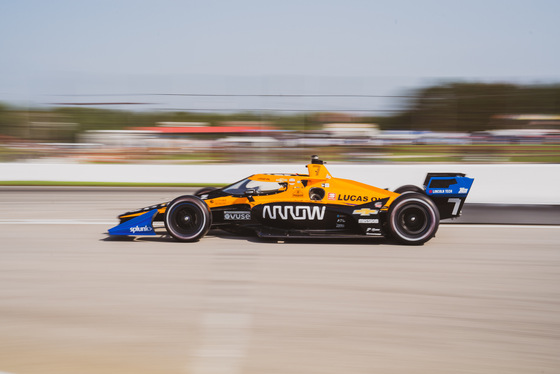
500	184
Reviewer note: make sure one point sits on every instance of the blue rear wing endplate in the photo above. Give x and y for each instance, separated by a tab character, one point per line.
141	225
449	186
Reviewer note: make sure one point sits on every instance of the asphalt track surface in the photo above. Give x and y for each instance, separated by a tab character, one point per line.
475	299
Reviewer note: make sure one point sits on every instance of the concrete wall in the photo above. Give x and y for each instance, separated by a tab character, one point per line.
507	183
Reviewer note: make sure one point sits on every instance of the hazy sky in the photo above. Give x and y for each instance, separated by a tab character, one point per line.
267	47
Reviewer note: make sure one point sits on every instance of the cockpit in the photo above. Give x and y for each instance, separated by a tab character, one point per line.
257	187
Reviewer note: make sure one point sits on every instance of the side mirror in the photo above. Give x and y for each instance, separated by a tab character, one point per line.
249	192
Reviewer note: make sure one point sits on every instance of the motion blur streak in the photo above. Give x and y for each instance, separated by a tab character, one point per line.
452	122
480	298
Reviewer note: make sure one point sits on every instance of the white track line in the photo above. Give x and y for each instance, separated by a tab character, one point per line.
56	222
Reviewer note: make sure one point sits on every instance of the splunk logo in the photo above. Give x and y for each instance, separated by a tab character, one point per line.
137	228
298	213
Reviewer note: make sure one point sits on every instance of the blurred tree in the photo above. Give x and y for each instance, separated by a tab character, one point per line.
4	113
13	122
473	106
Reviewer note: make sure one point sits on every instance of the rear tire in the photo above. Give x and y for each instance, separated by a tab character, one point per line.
413	218
187	218
408	188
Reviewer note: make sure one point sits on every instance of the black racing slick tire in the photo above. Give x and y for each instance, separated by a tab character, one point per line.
187	218
408	188
413	218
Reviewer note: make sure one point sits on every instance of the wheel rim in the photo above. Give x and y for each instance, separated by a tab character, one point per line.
186	219
413	220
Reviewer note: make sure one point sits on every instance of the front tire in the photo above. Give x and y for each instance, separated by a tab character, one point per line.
187	218
204	191
413	218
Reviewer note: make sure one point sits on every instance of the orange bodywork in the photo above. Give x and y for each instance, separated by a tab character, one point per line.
297	189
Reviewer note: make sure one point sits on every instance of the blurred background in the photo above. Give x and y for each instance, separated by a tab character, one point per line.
186	82
454	122
188	92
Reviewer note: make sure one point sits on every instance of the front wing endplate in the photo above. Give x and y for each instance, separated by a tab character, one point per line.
141	225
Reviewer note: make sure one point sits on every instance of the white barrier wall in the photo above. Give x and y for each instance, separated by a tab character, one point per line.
502	184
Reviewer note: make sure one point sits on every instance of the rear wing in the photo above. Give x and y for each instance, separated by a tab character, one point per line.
448	191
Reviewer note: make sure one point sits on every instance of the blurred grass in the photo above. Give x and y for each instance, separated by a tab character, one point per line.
537	153
364	153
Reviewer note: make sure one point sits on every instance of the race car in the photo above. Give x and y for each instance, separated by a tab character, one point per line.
313	205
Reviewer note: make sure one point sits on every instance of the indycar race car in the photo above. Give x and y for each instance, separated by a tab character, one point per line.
314	205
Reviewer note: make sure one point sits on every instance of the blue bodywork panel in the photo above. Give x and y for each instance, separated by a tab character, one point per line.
449	186
141	225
